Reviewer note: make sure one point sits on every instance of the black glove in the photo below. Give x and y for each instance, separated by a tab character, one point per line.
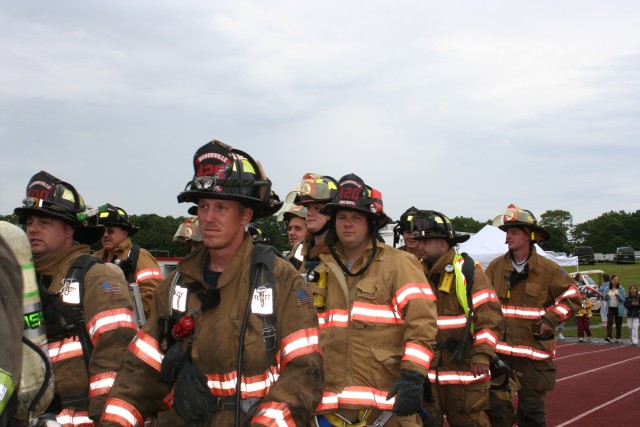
409	392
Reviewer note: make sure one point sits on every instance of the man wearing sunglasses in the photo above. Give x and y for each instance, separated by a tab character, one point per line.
232	334
138	265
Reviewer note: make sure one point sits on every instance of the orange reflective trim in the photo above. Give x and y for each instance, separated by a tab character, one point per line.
101	383
411	291
148	273
274	414
147	348
65	349
109	320
375	313
122	413
299	343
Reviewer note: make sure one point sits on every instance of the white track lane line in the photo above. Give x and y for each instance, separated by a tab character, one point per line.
585	353
579	417
597	369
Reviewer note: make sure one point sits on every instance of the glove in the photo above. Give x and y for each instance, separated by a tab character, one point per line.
409	392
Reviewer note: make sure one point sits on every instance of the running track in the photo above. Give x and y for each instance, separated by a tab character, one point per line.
598	384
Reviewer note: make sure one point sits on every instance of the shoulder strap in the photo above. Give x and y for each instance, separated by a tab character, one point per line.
261	275
469	271
77	272
134	253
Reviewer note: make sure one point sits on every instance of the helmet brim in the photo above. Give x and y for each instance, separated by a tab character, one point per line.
259	208
85	234
544	234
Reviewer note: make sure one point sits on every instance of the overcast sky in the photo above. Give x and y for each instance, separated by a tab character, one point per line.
457	106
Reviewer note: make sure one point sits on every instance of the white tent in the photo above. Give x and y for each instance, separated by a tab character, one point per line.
489	243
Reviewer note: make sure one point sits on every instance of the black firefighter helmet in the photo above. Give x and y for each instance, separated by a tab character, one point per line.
51	197
117	217
353	194
428	224
223	172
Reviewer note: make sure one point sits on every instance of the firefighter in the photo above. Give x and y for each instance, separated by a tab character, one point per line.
314	192
468	320
87	307
232	331
294	218
402	229
536	295
377	317
189	233
118	248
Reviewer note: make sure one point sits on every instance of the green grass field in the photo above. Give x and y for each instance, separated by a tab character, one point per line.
629	274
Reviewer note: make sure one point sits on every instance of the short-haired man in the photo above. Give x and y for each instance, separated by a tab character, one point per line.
377	317
536	295
232	331
294	218
89	319
469	318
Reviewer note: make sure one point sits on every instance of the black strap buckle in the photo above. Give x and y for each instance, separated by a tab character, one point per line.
269	337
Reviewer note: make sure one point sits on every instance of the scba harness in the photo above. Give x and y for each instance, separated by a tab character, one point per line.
64	317
193	400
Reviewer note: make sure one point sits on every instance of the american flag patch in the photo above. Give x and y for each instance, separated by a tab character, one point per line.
108	289
304	299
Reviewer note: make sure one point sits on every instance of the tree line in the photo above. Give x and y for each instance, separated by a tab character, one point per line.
604	233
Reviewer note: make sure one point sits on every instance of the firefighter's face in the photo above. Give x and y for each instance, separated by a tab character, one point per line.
48	235
112	237
352	229
296	230
409	243
222	223
315	220
517	239
432	249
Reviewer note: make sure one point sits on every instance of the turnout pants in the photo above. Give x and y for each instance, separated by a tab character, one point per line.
536	378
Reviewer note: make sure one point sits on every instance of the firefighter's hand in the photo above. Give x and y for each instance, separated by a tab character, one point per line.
478	369
409	392
546	328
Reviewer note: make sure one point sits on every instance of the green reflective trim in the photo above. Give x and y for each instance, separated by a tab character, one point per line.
6	388
28	266
30	294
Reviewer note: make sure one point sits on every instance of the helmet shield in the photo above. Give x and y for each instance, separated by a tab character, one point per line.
313	188
514	216
291	211
355	195
427	224
115	216
50	197
222	172
189	230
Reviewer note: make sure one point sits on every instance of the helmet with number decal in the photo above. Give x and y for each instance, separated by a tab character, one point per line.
515	216
223	172
313	188
354	194
50	197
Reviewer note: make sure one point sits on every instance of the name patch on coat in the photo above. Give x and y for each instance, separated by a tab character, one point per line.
262	301
179	299
70	292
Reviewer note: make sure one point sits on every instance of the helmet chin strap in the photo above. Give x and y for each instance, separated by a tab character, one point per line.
324	228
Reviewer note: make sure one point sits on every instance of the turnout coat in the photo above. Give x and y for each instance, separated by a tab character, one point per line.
373	326
290	385
547	292
109	322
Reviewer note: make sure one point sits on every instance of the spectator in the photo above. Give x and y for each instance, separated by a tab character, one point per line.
606	281
615	300
632	304
583	317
